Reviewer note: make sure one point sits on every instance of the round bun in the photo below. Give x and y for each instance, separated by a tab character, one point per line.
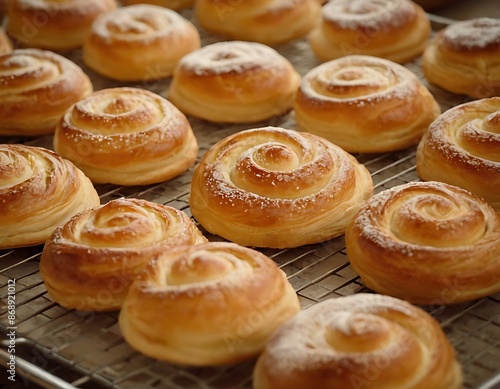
39	191
38	86
90	262
271	187
172	4
5	43
397	30
234	82
363	340
126	136
149	39
462	148
209	304
428	243
365	104
263	21
54	25
463	58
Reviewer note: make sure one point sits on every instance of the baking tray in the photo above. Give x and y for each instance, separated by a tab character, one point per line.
60	348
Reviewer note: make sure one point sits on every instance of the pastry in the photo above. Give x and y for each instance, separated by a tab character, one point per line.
172	4
463	58
427	243
149	39
89	262
462	147
54	25
38	192
365	104
38	86
397	30
272	187
126	136
5	43
264	21
234	82
209	304
359	341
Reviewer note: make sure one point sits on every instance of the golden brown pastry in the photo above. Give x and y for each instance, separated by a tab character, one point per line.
126	136
234	82
209	304
172	4
463	58
365	104
359	341
139	42
428	243
265	21
54	25
462	147
38	192
5	43
90	262
272	187
397	30
38	86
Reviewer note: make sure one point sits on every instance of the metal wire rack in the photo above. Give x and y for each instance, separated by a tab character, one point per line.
59	348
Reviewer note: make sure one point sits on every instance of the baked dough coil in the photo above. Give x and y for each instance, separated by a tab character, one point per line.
38	86
428	243
362	340
397	30
463	58
209	304
90	262
139	43
462	148
54	25
234	82
126	136
38	192
365	104
271	187
265	21
172	4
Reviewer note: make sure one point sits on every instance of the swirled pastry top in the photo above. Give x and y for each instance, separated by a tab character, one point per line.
417	240
334	343
38	191
274	187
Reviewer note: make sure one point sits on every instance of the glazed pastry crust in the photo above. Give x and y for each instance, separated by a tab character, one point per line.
172	4
209	304
126	136
341	342
90	262
428	243
38	86
38	192
234	82
462	148
365	104
271	187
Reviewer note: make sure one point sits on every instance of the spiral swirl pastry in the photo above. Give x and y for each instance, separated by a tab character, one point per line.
269	22
126	136
176	5
90	262
38	191
462	148
234	82
209	304
365	104
149	39
54	24
271	187
397	30
463	58
37	87
362	340
428	243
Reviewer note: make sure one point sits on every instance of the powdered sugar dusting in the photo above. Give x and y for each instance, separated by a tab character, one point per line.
473	34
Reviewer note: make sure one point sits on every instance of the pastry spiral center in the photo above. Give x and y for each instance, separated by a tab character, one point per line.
25	72
276	157
481	137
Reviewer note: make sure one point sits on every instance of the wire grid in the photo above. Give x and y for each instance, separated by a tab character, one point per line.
86	348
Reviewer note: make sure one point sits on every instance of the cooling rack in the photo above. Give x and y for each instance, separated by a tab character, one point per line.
60	348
